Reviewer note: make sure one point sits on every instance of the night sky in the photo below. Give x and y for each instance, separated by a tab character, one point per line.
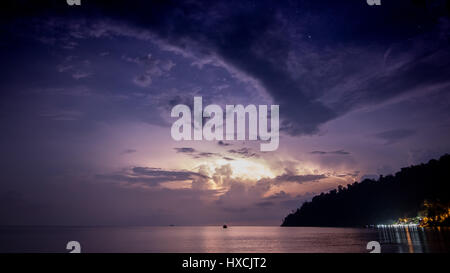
86	95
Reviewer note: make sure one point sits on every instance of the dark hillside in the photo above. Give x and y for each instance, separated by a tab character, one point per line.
416	192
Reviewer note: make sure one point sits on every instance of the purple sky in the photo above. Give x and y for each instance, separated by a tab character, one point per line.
86	95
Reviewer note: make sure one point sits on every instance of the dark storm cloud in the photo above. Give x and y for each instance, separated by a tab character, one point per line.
319	152
424	71
186	150
196	154
288	177
260	39
206	154
151	176
244	152
151	181
222	143
256	39
395	135
174	175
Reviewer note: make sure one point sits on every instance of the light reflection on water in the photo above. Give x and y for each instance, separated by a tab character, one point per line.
414	239
231	240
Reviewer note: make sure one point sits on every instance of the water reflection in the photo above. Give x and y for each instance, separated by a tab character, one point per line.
235	239
413	239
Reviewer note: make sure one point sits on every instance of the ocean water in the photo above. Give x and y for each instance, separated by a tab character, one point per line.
235	239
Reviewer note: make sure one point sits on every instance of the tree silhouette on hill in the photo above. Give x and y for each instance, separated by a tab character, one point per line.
383	201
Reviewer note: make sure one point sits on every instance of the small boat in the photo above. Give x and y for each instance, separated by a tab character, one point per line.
224	226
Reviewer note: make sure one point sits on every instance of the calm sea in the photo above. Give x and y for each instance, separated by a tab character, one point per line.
217	239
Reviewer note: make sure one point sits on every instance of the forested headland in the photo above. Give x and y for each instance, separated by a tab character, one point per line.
417	194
